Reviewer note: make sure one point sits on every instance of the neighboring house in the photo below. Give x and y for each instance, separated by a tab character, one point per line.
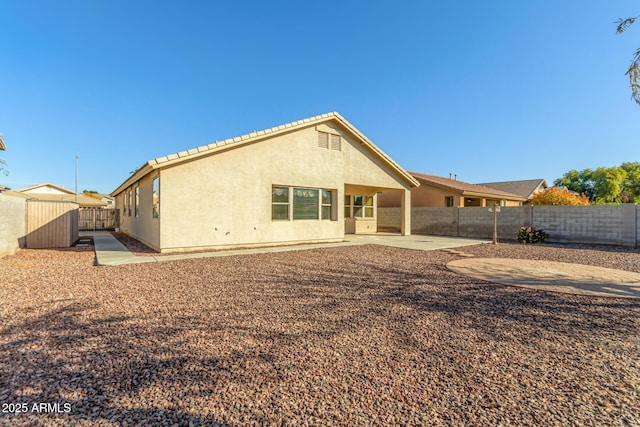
312	180
525	188
438	191
110	201
54	192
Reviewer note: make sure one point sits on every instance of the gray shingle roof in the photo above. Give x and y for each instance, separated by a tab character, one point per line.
524	188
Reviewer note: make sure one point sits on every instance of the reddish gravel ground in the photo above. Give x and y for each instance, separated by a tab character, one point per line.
364	335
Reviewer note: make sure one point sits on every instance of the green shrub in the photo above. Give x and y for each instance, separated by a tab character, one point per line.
531	235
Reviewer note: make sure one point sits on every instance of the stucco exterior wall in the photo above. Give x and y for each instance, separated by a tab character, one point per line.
13	226
143	227
426	195
225	199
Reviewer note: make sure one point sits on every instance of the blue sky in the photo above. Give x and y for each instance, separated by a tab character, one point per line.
491	91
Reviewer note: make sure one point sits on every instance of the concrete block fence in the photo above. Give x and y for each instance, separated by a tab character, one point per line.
13	224
612	225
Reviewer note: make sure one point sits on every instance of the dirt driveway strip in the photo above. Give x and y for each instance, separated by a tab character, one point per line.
552	276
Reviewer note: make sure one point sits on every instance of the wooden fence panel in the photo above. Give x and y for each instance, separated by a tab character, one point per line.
51	224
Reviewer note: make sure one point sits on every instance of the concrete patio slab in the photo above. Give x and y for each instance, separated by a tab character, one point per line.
109	250
552	276
419	242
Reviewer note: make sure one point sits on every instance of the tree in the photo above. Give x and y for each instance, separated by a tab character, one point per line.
559	196
579	182
634	68
631	183
618	184
608	184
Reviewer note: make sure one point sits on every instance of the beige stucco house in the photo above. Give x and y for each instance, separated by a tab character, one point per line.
312	180
439	191
52	192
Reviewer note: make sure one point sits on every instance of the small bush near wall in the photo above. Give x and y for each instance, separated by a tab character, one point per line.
531	235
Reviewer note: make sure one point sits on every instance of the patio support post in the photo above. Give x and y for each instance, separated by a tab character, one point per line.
405	212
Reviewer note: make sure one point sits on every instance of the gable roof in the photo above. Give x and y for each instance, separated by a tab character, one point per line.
464	188
524	188
256	136
46	184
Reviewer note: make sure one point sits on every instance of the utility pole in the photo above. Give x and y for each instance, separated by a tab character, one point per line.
76	179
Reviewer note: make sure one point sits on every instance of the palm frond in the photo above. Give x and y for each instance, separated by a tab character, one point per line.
634	80
624	24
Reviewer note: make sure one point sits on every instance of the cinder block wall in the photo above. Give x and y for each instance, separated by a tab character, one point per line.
389	219
580	224
438	221
614	225
13	225
637	214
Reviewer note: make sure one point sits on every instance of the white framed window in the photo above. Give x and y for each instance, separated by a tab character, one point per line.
155	197
299	203
327	205
448	201
280	203
368	206
347	206
136	201
362	206
305	203
130	196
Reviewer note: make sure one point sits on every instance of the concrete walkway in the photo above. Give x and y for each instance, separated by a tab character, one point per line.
109	250
552	276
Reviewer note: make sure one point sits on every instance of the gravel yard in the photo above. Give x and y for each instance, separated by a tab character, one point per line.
361	335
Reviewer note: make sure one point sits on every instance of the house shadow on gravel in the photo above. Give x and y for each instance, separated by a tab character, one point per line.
491	310
102	371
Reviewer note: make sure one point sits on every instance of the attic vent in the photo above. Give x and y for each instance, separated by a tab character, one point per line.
328	141
335	142
323	140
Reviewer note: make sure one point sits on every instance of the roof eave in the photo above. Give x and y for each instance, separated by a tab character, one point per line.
140	173
396	167
494	196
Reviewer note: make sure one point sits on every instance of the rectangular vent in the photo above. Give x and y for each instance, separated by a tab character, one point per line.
335	142
323	140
